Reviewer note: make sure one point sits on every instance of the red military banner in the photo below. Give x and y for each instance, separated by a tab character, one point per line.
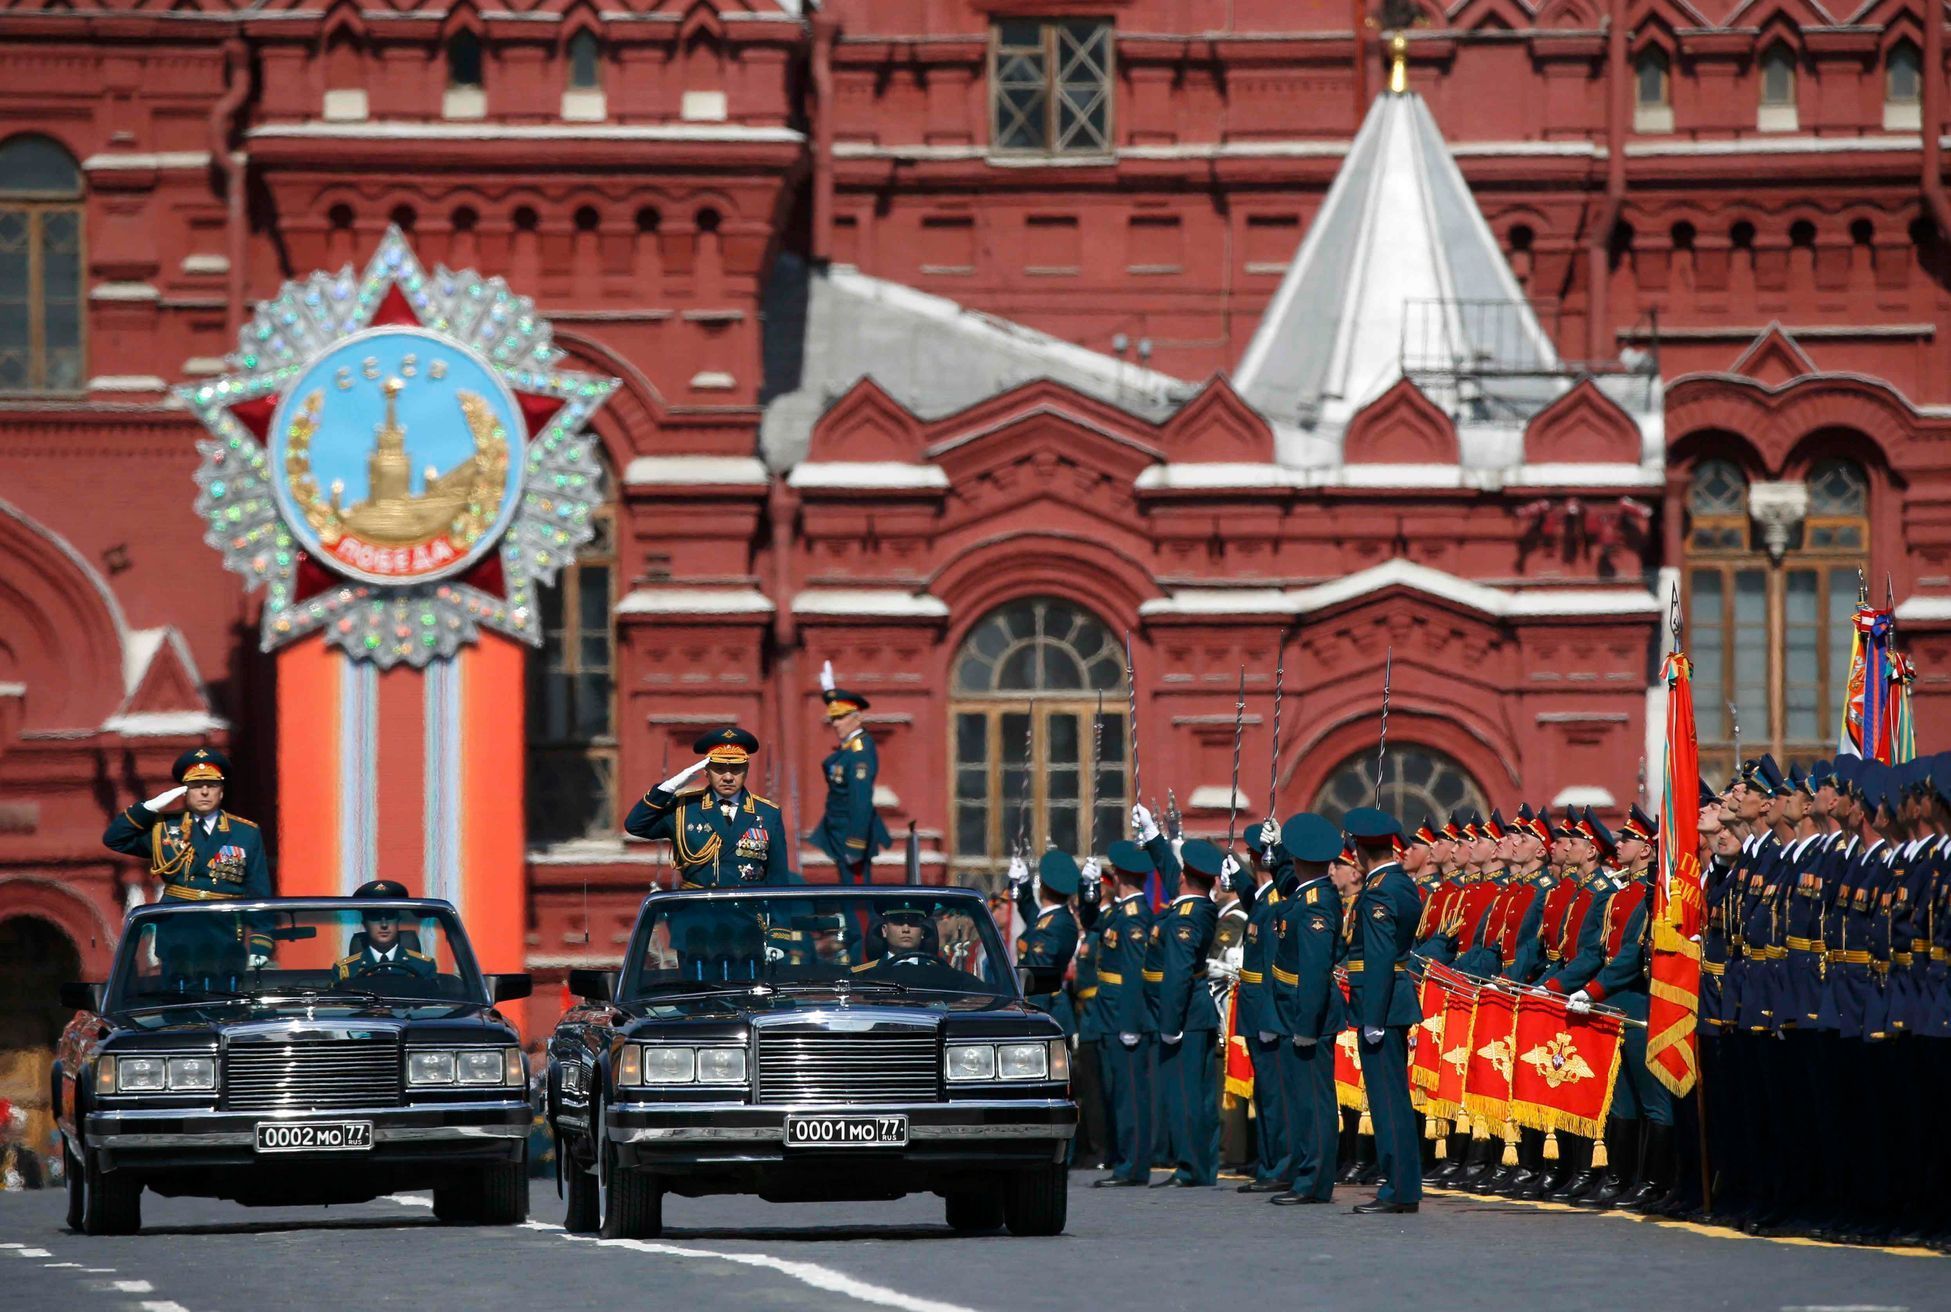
1459	1016
1563	1066
1679	901
1237	1062
1426	1040
1348	1062
1487	1069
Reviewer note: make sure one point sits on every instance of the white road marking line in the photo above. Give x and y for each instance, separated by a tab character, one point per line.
163	1306
13	1245
98	1270
56	1265
32	1252
808	1273
132	1286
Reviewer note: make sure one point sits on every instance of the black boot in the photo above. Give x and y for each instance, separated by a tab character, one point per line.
1576	1175
1655	1168
1623	1150
1476	1162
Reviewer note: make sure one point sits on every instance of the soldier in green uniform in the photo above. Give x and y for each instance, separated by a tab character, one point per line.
1127	1051
1308	1005
850	831
1049	939
380	947
1186	1021
721	835
1383	996
200	852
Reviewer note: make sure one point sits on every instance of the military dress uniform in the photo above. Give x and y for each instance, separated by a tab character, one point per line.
1186	1022
850	830
1383	999
212	858
717	843
1262	1030
1050	936
1310	1010
1127	1051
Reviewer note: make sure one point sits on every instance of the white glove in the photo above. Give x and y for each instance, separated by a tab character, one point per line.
1218	968
1269	834
1173	1039
1019	872
1300	1042
677	781
1228	868
1373	1035
1092	873
826	676
167	798
1234	956
1143	827
259	961
1266	1036
1579	1003
1128	1039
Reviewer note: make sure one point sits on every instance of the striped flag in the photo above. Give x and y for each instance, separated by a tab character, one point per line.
1868	721
1679	902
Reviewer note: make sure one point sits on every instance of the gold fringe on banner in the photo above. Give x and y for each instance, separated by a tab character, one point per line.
1551	1145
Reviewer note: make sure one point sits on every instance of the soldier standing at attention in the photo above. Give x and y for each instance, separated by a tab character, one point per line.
721	835
850	831
1126	1053
1186	1020
1383	995
1307	1001
1260	1023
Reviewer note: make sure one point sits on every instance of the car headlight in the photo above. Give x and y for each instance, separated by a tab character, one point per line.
721	1065
970	1061
430	1066
158	1074
193	1074
653	1064
1023	1061
480	1066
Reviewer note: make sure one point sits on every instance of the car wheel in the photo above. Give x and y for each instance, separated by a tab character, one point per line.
584	1214
457	1204
633	1204
972	1211
1037	1202
503	1194
77	1178
112	1203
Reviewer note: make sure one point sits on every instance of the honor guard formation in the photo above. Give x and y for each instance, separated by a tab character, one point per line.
1355	1004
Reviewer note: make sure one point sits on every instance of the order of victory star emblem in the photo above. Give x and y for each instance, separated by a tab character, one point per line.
398	459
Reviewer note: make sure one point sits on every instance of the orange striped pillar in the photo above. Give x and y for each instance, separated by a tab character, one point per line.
413	775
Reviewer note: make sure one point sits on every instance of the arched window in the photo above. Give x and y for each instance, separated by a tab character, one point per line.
1772	577
1777	90
572	697
466	95
585	72
40	267
1417	782
1903	86
1039	735
1652	91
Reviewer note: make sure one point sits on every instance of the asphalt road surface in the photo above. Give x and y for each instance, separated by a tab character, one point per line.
1212	1250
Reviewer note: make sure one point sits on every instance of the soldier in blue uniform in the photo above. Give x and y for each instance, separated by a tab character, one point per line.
200	852
1383	996
1127	1051
381	947
1307	947
1258	1018
850	831
1051	931
721	835
1187	1021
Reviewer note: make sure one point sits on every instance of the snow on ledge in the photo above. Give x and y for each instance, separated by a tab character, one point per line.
695	471
1924	610
1217	797
887	603
866	474
1501	603
695	601
1582	796
164	724
1221	601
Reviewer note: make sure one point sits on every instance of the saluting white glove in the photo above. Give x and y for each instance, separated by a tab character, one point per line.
1372	1034
677	781
1579	1003
1269	834
1128	1039
167	798
826	676
1143	827
1019	872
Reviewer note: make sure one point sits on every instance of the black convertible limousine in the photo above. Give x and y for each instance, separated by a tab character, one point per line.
293	1051
805	1044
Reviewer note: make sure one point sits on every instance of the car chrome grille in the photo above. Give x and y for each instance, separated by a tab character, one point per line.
849	1069
312	1075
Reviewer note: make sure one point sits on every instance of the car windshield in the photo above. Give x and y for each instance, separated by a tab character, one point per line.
927	942
373	951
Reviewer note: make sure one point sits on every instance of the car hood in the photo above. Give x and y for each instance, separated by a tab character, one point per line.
786	1007
288	1022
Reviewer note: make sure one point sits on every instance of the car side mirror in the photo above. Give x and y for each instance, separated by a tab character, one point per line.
81	997
507	988
1039	979
594	985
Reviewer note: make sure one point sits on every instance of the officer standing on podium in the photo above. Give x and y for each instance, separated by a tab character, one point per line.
721	834
849	830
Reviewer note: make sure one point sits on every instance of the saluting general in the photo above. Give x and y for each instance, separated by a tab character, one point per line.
850	831
722	835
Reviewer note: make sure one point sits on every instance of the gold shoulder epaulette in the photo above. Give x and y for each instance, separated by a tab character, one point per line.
856	744
767	800
1185	908
865	965
418	956
238	819
347	961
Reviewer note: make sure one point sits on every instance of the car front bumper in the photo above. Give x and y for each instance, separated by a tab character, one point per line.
482	1132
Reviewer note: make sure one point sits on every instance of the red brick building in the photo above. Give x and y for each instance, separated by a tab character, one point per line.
959	338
